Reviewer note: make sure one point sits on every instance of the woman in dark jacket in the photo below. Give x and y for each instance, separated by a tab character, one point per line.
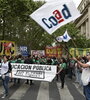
61	72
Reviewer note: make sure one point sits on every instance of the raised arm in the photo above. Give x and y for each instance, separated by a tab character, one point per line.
82	64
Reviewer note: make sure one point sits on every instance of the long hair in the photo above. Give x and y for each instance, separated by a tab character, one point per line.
63	59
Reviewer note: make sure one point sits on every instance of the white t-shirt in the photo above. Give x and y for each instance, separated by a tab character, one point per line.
4	68
86	75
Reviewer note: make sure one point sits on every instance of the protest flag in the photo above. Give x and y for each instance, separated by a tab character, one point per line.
66	37
53	15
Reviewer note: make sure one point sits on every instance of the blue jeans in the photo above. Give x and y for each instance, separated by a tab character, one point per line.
5	84
87	91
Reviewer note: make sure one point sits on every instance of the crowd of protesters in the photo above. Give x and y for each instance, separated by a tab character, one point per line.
65	66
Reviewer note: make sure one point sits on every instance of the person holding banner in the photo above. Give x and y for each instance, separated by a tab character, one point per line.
29	60
62	71
19	60
5	70
85	77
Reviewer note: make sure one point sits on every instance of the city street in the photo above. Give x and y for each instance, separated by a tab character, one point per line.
44	91
41	41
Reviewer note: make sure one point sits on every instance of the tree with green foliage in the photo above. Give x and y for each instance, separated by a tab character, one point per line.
16	24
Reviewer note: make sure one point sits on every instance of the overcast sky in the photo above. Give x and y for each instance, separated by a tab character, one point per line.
77	2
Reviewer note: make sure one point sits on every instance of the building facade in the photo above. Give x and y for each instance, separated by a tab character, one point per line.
83	22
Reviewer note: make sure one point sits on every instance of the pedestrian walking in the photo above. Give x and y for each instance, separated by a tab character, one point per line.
5	70
29	60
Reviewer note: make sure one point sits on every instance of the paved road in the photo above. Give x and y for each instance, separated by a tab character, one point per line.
44	91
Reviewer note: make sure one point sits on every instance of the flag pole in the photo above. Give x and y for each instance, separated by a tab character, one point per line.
74	43
67	49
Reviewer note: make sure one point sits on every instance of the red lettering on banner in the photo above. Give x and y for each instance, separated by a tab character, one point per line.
58	16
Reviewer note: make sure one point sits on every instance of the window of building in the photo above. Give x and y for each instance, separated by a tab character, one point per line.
84	28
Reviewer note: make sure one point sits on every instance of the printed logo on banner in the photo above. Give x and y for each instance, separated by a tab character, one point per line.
34	71
24	50
31	74
7	48
57	17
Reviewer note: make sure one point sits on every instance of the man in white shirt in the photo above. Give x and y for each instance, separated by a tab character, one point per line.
85	76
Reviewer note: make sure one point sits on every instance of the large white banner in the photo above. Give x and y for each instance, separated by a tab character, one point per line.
53	15
34	71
